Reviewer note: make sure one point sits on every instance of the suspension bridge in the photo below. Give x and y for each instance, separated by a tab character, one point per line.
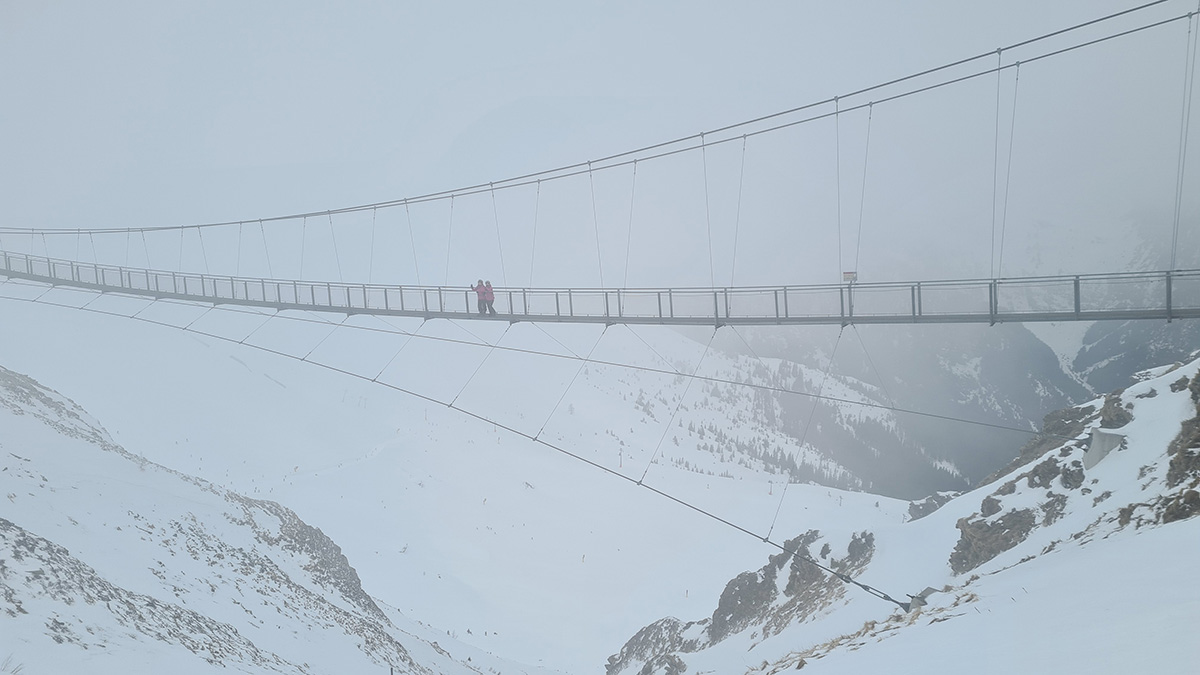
1162	294
994	297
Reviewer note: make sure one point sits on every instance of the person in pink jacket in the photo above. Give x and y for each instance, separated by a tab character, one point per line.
489	296
482	292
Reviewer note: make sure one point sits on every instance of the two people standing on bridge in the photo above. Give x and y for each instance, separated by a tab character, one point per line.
483	290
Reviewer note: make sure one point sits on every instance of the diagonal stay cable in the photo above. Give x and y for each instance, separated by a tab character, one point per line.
582	365
807	426
480	366
662	358
682	398
673	372
871	361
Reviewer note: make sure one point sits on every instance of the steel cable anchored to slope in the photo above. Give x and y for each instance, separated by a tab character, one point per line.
511	430
600	362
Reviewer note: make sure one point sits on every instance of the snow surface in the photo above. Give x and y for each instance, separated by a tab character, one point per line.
522	551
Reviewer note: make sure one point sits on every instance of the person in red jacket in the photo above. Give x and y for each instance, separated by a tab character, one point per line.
481	292
489	296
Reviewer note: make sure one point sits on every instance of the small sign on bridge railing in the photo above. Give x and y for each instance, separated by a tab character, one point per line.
849	277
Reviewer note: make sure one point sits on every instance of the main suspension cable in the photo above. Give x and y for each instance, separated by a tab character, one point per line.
656	150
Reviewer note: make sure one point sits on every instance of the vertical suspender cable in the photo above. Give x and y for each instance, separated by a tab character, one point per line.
333	237
629	228
303	237
266	249
712	275
203	253
1012	132
91	238
862	197
537	205
596	224
412	241
499	241
995	164
449	241
737	218
146	248
1189	72
837	168
371	252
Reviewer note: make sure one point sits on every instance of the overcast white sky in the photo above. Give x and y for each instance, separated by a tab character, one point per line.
147	113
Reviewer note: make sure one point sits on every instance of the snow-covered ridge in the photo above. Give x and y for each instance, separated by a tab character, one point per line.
124	564
1057	515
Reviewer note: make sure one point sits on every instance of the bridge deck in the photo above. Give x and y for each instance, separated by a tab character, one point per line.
1137	295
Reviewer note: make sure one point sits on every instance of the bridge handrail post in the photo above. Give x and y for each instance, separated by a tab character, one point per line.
671	301
717	308
659	296
787	311
557	305
524	301
775	292
992	302
570	303
1168	280
1076	288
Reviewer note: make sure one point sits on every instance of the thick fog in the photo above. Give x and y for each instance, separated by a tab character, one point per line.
141	115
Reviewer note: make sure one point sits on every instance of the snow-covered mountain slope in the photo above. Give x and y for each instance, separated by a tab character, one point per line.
998	375
1110	353
507	545
112	563
1072	560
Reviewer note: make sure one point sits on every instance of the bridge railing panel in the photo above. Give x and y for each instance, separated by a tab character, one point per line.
520	302
813	302
880	300
1132	292
1185	290
954	298
645	304
693	303
1050	295
589	303
751	303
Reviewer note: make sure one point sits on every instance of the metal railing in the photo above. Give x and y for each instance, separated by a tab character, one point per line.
1087	297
